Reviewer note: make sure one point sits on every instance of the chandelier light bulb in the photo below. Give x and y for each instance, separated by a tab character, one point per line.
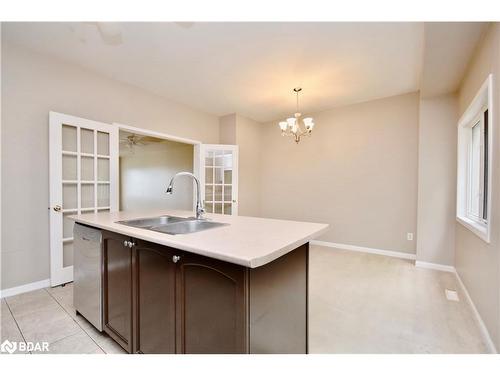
283	125
308	122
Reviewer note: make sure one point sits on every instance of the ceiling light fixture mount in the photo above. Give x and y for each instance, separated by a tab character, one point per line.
292	126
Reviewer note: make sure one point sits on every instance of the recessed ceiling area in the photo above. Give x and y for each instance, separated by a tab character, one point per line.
245	68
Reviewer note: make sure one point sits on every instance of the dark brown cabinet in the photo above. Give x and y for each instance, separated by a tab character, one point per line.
162	300
117	289
211	305
154	281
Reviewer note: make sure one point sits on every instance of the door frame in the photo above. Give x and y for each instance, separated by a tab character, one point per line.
58	273
169	137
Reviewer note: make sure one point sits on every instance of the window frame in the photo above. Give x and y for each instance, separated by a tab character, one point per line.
480	109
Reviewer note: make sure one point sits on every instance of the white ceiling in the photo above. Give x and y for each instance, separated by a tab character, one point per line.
247	68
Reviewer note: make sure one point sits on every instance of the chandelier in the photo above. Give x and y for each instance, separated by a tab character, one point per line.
295	126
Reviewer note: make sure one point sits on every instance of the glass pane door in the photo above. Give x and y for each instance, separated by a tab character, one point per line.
220	179
80	182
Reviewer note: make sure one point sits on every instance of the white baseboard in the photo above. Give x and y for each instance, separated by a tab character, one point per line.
435	266
24	288
482	326
389	253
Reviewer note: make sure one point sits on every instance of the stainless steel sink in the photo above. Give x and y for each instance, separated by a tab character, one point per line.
172	224
185	227
150	222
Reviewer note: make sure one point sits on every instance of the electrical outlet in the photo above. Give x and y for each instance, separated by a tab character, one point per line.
409	236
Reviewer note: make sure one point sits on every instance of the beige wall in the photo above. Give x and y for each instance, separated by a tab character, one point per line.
145	173
358	172
437	166
32	86
247	134
478	262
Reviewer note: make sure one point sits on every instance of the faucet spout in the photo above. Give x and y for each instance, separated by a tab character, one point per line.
199	206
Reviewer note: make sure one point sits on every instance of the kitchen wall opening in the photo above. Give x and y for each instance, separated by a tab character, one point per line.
146	166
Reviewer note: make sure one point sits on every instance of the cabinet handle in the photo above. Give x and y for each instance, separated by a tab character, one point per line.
130	244
125	243
176	258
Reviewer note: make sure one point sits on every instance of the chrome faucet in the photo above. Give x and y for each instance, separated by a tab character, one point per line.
199	207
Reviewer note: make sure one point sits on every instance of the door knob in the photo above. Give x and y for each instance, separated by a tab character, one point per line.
176	258
57	208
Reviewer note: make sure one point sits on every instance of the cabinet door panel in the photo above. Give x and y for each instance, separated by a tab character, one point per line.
155	299
211	305
117	284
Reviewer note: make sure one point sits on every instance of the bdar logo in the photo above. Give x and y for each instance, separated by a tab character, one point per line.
9	347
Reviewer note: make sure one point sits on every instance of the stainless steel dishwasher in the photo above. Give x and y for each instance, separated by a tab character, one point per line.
87	291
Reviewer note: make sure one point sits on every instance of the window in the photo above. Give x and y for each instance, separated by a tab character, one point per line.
474	164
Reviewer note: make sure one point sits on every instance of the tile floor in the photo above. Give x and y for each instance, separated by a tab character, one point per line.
48	315
359	303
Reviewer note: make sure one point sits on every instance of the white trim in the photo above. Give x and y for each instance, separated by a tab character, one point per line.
155	134
477	316
25	288
479	229
389	253
435	266
483	98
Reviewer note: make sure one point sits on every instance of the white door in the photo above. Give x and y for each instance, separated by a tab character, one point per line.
83	170
219	178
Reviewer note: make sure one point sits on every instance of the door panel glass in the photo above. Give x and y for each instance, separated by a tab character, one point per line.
67	226
69	138
87	198
103	169
103	195
87	165
218	176
86	141
228	176
228	208
228	196
103	143
209	175
209	159
218	193
70	196
69	167
209	193
219	158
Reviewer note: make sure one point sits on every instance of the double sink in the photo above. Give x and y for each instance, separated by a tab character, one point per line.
172	224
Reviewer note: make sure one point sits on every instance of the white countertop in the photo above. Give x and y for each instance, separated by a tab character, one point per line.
248	241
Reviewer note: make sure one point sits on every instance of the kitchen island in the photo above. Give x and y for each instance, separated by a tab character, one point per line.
237	288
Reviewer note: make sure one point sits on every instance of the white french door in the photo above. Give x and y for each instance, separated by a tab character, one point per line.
219	178
83	170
